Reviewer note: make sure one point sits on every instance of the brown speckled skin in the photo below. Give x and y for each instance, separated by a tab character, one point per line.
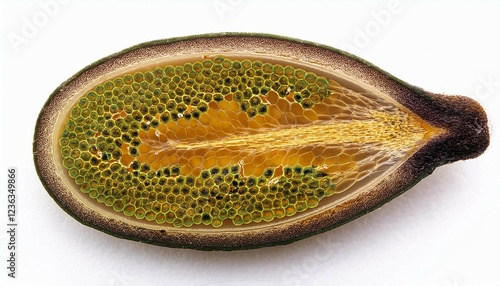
465	122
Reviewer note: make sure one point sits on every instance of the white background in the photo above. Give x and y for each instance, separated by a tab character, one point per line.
443	232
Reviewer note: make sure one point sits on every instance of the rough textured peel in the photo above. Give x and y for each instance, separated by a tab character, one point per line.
236	141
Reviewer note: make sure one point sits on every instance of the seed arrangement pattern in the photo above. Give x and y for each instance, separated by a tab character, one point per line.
225	141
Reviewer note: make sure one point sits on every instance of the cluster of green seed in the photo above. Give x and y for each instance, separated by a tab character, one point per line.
111	116
212	197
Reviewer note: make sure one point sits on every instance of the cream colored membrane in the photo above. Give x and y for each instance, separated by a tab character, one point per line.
356	189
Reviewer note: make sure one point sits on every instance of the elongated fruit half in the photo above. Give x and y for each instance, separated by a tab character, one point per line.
236	141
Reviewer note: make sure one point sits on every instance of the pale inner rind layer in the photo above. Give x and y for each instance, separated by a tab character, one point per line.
226	142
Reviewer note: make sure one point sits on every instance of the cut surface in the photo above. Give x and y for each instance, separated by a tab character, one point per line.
227	142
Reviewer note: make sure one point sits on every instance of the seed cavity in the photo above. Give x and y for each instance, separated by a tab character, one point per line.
229	141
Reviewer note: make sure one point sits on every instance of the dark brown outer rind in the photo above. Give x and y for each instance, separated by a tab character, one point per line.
463	119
